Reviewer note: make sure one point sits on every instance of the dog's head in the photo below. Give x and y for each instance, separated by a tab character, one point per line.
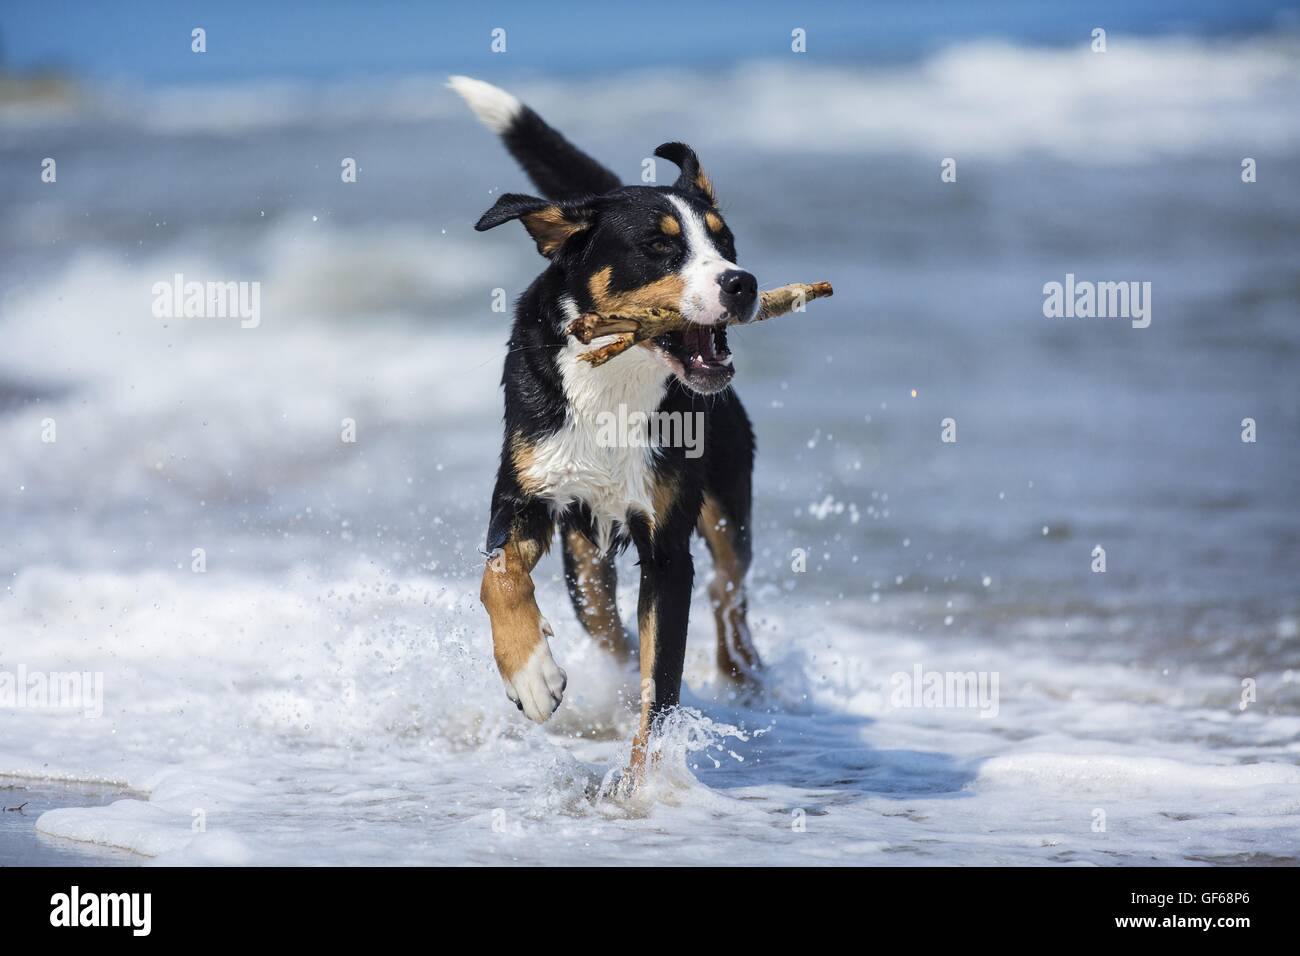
643	247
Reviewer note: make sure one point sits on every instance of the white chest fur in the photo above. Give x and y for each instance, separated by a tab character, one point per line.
579	462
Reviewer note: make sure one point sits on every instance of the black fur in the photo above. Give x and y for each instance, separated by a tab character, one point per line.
557	167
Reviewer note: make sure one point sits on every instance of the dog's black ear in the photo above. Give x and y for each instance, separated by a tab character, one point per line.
549	223
692	176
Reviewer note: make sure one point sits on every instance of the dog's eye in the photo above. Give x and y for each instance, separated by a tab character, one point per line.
660	247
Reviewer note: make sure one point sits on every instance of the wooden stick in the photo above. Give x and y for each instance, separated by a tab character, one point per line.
634	327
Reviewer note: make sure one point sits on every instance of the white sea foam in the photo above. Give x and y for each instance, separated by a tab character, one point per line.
276	396
360	720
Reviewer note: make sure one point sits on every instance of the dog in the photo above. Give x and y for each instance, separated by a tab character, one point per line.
613	248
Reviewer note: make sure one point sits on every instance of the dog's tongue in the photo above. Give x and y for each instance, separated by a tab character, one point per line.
699	346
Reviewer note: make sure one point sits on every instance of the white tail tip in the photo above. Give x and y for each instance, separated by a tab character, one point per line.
493	105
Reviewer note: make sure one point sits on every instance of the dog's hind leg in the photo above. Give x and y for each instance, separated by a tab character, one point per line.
519	534
729	545
592	580
724	524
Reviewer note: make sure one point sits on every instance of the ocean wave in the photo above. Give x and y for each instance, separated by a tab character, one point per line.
1141	99
368	703
202	409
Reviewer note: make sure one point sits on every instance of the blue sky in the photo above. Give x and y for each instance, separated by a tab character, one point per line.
148	41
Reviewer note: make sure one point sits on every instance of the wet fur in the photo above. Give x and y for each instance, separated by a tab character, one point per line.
599	240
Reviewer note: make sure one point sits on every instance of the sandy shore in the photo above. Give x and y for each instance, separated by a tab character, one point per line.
21	845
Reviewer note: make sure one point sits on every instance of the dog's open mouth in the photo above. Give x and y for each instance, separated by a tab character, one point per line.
699	357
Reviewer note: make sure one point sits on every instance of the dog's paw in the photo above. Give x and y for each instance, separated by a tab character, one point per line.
537	687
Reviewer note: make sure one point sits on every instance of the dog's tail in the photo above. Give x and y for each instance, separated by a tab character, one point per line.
557	167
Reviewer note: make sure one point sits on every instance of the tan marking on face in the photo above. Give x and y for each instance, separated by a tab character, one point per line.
737	658
669	226
705	185
713	221
523	455
664	293
594	582
549	227
507	594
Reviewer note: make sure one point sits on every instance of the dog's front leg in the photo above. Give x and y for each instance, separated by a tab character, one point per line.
667	573
520	533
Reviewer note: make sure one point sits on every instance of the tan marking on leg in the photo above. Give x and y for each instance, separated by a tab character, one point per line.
595	585
647	633
737	658
523	455
662	498
669	226
663	293
713	221
507	593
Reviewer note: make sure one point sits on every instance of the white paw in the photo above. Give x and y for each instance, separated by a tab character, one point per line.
538	687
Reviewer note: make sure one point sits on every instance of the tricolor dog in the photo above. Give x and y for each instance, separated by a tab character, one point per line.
608	248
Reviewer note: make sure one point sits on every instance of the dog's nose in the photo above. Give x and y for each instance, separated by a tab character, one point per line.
739	290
